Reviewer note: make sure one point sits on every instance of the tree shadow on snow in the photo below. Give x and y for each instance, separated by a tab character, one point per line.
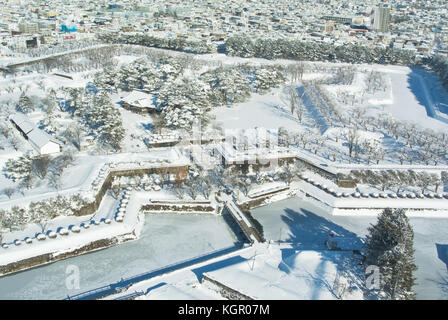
442	253
309	231
420	88
217	265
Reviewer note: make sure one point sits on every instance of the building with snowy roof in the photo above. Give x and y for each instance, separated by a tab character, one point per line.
22	124
139	102
41	141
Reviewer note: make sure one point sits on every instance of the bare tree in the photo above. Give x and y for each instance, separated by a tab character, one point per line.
424	180
15	142
293	98
9	192
40	166
352	138
74	134
54	180
5	130
436	180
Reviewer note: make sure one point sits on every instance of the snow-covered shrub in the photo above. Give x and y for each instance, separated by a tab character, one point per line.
52	234
63	232
41	237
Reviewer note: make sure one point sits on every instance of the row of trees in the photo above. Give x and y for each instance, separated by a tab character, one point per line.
399	179
40	212
315	51
178	44
46	50
439	64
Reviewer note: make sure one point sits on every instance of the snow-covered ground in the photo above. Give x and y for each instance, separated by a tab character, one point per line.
264	111
262	271
288	274
307	226
409	102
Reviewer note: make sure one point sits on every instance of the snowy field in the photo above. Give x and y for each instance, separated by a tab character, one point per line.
307	226
410	102
165	239
264	111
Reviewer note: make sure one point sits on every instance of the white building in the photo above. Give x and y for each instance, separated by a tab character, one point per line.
381	18
42	142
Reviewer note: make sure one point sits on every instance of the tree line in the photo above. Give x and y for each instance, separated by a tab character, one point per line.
177	44
315	51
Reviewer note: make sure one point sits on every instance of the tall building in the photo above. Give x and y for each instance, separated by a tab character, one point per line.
28	27
381	18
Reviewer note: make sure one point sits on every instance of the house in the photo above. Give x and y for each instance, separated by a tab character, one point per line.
22	124
43	142
139	102
39	140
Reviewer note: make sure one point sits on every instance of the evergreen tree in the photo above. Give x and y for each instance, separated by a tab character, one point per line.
18	169
25	104
389	245
183	101
228	85
268	77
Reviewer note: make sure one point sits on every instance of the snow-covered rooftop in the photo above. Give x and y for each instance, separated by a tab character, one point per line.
139	99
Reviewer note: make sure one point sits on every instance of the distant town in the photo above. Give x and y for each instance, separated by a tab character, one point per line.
419	26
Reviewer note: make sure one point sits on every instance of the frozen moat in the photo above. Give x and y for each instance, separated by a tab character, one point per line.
166	238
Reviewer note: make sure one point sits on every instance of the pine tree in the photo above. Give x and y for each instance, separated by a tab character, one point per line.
268	77
389	245
25	104
18	169
183	101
